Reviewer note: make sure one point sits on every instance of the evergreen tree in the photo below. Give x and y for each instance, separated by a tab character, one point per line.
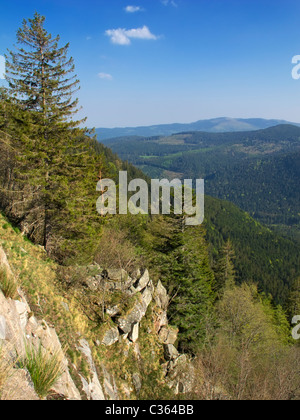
40	74
225	271
178	256
55	157
192	308
293	305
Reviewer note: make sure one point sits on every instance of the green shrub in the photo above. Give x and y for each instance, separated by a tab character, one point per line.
44	368
8	284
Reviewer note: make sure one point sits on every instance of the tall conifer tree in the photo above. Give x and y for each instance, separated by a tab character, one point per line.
56	157
225	270
40	74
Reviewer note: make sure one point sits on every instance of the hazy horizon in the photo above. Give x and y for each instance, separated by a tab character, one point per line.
153	62
200	120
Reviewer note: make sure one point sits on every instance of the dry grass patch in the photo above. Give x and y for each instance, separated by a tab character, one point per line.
8	284
5	373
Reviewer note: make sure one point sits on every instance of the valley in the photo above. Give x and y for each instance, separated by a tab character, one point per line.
256	170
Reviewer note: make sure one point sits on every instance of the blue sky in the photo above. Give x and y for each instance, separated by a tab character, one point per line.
143	62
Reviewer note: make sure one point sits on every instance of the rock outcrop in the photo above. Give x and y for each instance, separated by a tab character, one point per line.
92	386
19	328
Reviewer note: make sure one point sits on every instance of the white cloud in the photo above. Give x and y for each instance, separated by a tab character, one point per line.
133	9
118	36
123	36
105	76
169	3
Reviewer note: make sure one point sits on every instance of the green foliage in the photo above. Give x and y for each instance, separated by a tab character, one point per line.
258	170
40	75
48	175
224	269
49	156
192	307
177	255
50	167
261	256
268	189
293	302
49	170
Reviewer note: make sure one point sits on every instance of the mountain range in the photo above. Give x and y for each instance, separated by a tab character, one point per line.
216	125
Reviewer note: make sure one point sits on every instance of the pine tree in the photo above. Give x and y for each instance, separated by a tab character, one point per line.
55	157
293	303
40	74
225	271
191	309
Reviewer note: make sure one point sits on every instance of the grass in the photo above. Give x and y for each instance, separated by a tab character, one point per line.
5	372
8	284
45	293
44	368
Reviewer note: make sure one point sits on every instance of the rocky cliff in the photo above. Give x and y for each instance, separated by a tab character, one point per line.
130	354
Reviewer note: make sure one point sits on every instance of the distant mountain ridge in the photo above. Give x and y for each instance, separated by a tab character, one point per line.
215	125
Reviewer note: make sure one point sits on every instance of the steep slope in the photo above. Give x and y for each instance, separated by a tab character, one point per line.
262	256
127	354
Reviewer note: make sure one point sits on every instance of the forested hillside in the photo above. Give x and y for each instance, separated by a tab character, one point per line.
261	256
258	171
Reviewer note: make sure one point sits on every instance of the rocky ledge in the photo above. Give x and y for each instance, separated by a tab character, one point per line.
19	326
